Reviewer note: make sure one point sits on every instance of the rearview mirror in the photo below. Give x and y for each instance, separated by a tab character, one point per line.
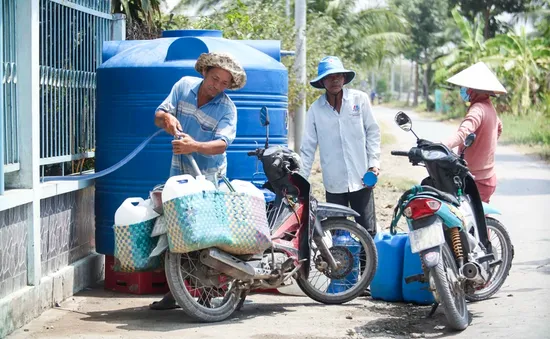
264	116
403	121
469	141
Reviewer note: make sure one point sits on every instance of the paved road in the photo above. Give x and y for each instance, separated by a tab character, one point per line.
520	310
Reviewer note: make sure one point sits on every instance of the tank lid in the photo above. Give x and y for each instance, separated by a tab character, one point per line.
176	33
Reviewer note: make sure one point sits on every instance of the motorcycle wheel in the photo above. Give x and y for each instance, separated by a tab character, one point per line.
368	271
197	303
499	273
449	292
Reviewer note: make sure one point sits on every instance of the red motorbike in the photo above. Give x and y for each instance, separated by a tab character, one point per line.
331	258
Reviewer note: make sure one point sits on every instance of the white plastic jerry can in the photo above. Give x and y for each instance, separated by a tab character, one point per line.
134	211
185	184
245	187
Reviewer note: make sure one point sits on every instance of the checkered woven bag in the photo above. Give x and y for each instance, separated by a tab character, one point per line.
133	244
233	222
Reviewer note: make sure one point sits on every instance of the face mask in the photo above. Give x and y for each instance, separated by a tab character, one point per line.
465	96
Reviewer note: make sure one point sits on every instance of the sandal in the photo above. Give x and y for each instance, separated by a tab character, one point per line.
163	305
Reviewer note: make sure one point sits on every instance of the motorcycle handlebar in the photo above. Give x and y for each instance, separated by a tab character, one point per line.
252	153
400	153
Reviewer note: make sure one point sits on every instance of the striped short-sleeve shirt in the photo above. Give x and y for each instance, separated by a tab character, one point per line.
216	120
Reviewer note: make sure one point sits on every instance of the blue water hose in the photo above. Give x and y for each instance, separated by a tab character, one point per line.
107	170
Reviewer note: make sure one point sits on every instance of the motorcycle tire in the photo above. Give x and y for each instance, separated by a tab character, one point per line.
187	302
507	247
371	256
456	309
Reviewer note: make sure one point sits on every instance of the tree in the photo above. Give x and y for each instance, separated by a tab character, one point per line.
524	62
427	21
489	10
137	10
468	47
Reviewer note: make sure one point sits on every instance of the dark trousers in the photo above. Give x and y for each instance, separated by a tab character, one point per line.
362	202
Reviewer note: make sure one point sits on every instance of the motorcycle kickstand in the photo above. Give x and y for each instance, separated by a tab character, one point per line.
432	311
241	302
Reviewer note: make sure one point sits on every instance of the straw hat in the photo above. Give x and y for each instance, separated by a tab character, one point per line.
224	61
478	77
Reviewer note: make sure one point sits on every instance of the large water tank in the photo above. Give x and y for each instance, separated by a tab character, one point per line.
136	76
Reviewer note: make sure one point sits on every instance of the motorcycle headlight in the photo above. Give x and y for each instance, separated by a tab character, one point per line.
433	155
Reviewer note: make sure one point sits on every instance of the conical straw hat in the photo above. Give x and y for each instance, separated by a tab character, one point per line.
478	77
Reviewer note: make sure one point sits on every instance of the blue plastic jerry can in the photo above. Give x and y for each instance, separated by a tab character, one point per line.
386	284
415	292
343	238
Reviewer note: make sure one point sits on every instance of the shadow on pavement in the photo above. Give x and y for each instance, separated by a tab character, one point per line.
406	321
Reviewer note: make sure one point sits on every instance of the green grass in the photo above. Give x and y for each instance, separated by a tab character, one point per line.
532	129
531	132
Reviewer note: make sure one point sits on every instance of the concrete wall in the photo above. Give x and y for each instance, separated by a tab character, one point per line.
67	229
68	260
13	249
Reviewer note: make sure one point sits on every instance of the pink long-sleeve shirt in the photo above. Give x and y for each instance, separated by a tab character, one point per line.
482	120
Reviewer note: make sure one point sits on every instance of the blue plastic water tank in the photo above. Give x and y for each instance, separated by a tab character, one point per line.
386	284
415	292
136	76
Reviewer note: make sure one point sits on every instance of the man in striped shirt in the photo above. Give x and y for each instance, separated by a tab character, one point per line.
204	119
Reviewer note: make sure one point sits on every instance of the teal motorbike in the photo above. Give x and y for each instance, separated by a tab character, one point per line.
466	253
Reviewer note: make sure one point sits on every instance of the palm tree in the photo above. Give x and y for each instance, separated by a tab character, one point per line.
524	60
466	49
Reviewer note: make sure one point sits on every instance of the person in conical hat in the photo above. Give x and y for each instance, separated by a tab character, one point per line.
477	84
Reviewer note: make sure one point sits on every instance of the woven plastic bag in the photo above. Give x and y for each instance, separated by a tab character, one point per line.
133	244
233	222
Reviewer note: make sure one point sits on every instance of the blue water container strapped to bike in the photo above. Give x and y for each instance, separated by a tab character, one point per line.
386	284
415	292
344	239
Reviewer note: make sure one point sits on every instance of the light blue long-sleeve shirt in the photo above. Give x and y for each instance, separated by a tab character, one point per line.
349	141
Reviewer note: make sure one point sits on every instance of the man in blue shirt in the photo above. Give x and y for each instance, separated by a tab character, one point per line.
205	120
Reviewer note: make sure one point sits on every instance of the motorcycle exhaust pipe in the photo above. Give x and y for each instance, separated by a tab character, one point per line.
473	271
232	266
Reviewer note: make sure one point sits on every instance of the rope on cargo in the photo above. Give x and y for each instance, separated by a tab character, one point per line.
107	170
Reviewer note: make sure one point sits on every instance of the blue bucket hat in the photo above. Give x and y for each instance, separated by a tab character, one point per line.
331	65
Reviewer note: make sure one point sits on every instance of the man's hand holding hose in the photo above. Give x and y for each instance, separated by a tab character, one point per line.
167	122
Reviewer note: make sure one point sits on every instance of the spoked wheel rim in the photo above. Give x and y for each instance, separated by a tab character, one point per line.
210	292
347	277
497	239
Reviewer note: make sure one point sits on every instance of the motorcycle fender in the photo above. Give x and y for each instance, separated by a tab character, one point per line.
431	257
328	210
488	209
162	245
